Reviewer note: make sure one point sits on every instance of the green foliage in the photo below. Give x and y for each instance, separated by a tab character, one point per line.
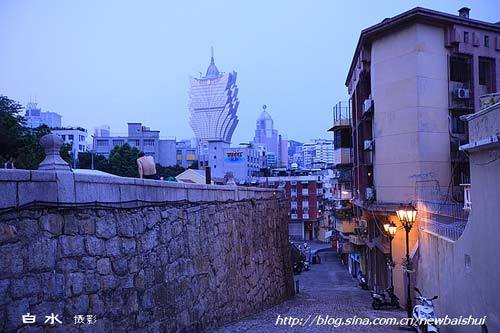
123	161
100	162
12	128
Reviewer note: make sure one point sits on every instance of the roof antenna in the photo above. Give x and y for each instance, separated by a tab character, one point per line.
212	52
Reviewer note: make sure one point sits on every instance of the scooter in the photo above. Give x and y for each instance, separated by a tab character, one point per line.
386	298
362	281
424	319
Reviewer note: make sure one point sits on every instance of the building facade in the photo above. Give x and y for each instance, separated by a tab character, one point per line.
142	138
305	201
186	153
35	117
318	154
74	136
411	79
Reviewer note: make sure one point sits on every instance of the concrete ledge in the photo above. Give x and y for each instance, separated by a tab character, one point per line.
20	187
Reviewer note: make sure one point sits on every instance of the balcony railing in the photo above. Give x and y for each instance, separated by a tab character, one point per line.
342	114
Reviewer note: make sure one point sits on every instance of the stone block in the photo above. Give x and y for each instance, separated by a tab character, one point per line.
120	267
108	282
29	192
96	306
65	187
52	223
72	246
106	226
124	225
26	286
42	254
148	241
94	246
92	283
77	305
128	246
8	194
88	263
74	284
113	247
52	285
104	266
11	260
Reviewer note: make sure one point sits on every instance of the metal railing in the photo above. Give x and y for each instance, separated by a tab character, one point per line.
342	114
437	211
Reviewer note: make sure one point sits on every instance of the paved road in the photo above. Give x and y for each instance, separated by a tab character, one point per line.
327	289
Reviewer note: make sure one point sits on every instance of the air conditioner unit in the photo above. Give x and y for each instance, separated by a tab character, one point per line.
368	144
367	105
462	93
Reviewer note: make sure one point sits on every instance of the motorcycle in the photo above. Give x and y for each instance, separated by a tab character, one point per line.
386	298
424	319
362	281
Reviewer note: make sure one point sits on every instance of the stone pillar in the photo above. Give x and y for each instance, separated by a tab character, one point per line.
52	144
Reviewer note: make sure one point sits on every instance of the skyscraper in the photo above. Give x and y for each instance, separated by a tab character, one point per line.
267	137
213	104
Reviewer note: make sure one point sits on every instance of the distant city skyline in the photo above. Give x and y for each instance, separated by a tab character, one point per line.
119	62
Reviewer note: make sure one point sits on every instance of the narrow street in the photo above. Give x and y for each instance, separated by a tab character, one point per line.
326	289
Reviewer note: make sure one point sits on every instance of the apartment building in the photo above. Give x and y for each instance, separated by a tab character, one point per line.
411	79
305	200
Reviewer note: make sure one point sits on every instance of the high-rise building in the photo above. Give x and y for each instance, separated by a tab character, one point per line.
213	104
318	154
267	137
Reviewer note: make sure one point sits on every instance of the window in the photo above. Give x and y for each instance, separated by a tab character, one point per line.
460	69
117	142
102	143
487	73
70	137
81	138
134	143
466	36
149	142
63	137
486	41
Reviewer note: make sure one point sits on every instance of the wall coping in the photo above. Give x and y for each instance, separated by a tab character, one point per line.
22	187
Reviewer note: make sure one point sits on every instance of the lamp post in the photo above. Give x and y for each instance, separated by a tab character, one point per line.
391	229
407	216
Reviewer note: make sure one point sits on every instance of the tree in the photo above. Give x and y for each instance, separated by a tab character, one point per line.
123	161
21	142
100	162
11	128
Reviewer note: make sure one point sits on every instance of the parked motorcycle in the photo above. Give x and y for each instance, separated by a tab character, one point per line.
424	319
363	283
386	298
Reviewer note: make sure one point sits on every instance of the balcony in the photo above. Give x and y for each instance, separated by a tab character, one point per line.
305	216
342	156
345	226
293	216
356	240
341	115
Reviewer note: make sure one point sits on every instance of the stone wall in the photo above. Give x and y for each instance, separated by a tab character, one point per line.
172	266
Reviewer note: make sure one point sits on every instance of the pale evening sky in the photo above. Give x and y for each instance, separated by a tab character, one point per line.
112	62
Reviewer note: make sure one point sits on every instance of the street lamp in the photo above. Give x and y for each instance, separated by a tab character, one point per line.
407	216
390	229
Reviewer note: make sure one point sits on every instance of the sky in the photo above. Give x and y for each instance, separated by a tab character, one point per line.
111	62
